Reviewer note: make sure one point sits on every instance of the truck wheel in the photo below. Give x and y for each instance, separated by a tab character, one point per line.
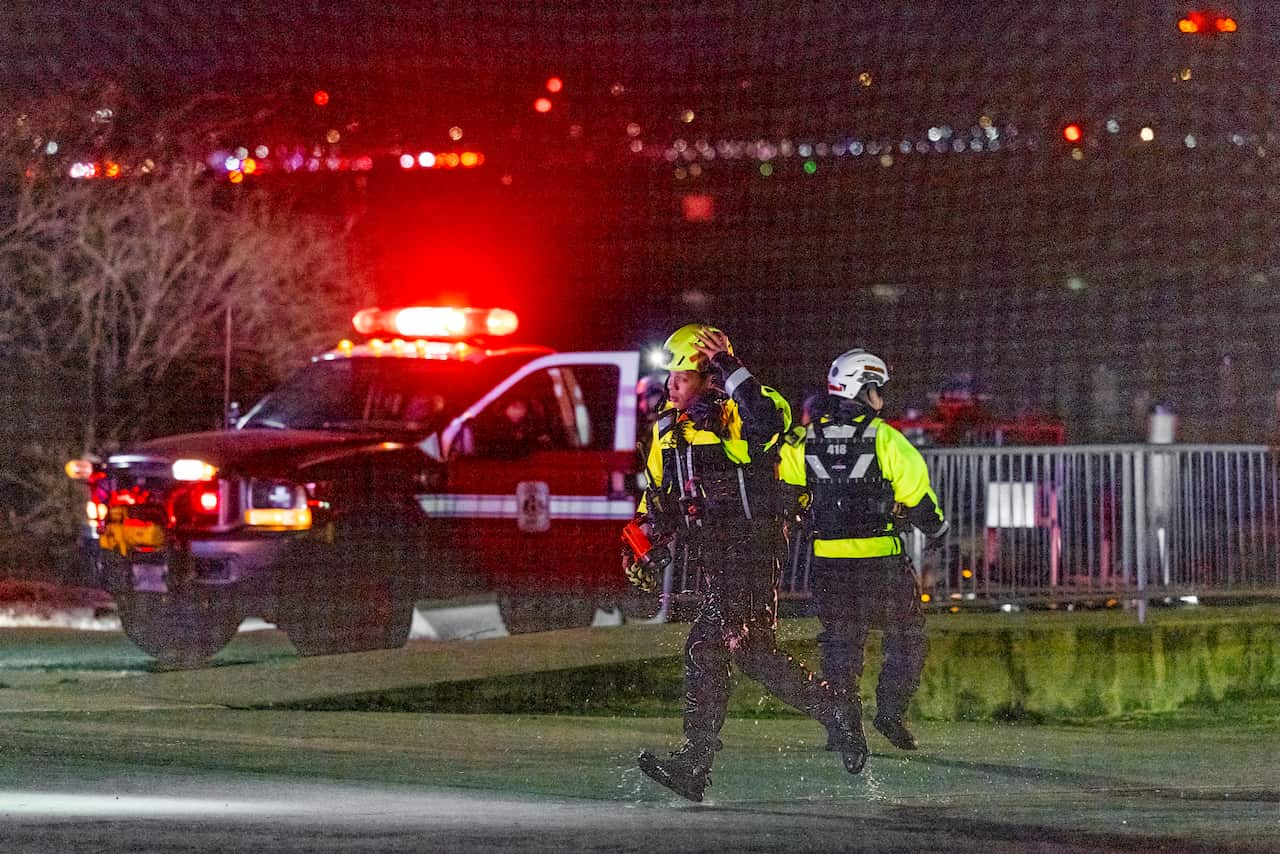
530	612
361	615
353	595
180	629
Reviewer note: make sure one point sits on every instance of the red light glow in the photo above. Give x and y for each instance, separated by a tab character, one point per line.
698	207
366	320
554	84
542	105
1072	133
469	159
208	501
320	97
501	321
429	322
1225	25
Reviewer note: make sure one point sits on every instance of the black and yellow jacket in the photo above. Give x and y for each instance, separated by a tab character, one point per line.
724	454
902	469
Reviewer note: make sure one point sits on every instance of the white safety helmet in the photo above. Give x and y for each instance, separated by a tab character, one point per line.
854	370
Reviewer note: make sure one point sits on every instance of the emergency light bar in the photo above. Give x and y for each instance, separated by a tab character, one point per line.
439	322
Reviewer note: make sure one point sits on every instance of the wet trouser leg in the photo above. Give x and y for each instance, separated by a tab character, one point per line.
850	596
738	621
905	644
843	604
706	675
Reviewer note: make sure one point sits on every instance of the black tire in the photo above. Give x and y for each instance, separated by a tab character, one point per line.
356	619
183	628
531	612
353	595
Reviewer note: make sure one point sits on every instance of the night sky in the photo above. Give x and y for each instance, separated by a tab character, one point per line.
1025	268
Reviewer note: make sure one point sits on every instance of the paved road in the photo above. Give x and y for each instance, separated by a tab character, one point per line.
97	754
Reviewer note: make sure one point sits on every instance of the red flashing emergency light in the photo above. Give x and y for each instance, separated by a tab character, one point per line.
1207	24
1072	133
542	105
320	97
436	322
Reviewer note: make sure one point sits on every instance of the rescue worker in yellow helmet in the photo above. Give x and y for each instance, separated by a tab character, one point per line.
863	480
713	485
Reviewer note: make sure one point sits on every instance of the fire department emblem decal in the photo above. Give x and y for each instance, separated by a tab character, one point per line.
533	501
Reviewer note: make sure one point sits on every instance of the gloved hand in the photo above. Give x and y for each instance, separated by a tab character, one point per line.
644	578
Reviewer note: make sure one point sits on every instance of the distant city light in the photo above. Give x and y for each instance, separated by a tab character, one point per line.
332	136
51	148
865	78
320	97
542	105
810	167
1113	126
248	166
426	159
554	84
1147	134
766	169
1072	133
407	161
231	164
236	177
687	116
455	133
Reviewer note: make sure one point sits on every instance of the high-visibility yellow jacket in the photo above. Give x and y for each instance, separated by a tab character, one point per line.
753	420
900	464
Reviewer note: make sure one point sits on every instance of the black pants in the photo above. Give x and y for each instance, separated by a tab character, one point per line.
852	595
737	621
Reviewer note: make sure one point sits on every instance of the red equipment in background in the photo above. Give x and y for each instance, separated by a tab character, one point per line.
961	417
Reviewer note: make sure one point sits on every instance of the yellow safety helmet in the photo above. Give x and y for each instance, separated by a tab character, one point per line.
678	352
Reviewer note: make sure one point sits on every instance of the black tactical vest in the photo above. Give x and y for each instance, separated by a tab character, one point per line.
707	486
851	498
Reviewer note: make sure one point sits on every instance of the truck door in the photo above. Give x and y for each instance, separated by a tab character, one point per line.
539	476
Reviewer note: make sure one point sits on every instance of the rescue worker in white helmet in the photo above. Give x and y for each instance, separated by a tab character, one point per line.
713	484
862	481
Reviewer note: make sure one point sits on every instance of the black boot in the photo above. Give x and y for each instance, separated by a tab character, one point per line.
687	771
893	728
844	734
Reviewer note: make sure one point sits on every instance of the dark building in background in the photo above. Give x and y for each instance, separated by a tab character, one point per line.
1068	206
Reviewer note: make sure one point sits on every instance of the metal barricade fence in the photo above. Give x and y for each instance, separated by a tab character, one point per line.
1078	522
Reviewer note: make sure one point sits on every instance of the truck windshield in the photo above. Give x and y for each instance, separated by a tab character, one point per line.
373	394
